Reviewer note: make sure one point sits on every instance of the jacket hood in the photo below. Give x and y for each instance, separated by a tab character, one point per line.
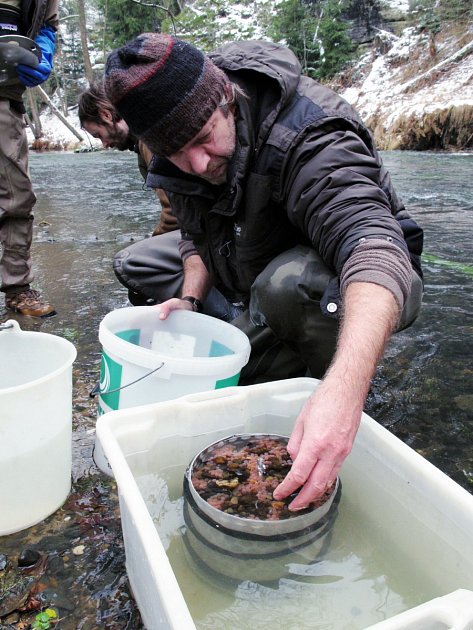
270	74
266	58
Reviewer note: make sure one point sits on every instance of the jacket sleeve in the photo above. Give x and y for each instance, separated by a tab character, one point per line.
167	221
52	14
39	13
332	189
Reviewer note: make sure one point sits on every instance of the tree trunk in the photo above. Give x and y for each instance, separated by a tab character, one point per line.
84	41
47	100
105	29
35	123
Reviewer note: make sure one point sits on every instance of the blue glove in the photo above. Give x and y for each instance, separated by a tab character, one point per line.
30	76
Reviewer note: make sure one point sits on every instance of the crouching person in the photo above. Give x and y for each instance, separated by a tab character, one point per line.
286	208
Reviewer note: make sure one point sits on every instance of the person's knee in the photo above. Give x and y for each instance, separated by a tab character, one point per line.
290	288
151	267
119	266
287	296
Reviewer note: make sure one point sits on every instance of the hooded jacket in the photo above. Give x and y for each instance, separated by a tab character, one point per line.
305	171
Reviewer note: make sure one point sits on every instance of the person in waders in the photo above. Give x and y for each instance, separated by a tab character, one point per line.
27	41
286	208
150	269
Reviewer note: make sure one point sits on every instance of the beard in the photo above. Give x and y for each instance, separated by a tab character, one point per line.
217	170
120	140
122	144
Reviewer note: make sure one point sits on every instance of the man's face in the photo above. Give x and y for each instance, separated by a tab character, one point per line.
113	135
208	154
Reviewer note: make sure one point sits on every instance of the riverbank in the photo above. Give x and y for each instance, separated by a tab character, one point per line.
56	136
412	93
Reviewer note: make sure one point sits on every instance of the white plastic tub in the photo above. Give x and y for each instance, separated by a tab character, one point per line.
35	425
409	510
147	360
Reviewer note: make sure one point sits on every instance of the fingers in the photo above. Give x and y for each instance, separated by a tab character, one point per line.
298	473
319	481
294	479
174	304
311	474
295	440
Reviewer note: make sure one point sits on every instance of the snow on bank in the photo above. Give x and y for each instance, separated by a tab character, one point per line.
397	81
385	94
56	135
398	5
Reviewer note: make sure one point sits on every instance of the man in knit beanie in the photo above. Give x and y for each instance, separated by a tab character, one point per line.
286	208
164	88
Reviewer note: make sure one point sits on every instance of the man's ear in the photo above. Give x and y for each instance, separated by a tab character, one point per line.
106	115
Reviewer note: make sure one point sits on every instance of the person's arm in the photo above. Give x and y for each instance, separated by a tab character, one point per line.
45	39
334	188
167	220
196	284
197	281
52	14
327	425
31	76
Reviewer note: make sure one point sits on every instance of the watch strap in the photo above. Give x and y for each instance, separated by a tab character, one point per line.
197	305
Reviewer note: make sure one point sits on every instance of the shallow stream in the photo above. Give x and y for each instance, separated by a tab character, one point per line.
90	206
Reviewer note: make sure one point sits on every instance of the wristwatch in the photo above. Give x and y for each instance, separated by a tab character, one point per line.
197	305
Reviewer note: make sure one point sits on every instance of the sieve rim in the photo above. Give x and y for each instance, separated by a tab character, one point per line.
254	526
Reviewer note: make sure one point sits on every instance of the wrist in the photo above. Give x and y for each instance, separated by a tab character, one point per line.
197	305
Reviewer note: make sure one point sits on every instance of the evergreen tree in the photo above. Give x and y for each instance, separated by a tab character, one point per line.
338	47
211	24
69	61
295	25
314	31
125	19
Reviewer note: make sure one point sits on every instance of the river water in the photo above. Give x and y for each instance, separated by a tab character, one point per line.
91	205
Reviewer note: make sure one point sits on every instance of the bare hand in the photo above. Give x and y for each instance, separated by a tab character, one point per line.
174	304
321	440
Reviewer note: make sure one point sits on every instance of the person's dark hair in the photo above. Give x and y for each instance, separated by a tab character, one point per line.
93	101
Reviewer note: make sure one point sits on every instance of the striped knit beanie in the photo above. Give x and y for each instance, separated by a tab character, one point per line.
164	88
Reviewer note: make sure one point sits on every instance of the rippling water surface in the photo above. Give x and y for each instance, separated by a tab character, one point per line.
90	206
423	391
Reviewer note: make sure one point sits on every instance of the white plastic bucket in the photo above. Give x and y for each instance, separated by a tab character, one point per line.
147	360
35	425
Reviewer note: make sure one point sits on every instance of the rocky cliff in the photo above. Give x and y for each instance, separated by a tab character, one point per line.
413	90
367	17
